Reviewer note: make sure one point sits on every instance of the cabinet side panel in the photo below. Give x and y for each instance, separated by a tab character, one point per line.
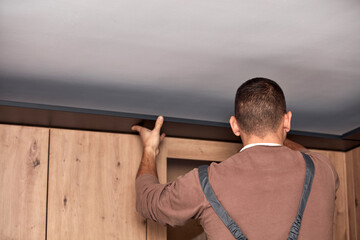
23	181
92	186
353	170
341	222
357	189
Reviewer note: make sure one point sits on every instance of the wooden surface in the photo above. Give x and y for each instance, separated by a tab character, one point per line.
356	158
341	217
92	186
356	161
201	149
353	183
154	230
23	180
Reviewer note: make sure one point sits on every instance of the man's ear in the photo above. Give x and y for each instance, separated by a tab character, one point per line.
234	126
287	121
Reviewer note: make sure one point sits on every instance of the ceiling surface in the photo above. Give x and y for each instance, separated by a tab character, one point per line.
184	59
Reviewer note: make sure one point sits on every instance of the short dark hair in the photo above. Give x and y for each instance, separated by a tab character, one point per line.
259	106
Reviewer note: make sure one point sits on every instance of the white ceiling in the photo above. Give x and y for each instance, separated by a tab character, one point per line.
184	59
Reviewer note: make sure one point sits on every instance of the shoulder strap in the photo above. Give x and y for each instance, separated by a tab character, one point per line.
214	202
229	222
309	175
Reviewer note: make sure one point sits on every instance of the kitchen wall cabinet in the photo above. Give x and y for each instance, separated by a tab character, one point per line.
72	184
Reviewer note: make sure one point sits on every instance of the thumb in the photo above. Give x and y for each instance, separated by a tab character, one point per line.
158	124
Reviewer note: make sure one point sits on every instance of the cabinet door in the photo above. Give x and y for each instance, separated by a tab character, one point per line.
23	181
92	186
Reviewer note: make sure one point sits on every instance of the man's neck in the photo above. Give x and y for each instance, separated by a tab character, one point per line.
267	139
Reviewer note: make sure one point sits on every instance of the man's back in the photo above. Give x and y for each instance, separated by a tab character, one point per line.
260	188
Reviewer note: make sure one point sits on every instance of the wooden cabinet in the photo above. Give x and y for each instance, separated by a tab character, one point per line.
23	182
92	186
70	184
353	192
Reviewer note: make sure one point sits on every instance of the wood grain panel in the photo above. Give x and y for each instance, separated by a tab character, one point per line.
92	186
356	162
341	217
156	231
353	180
23	181
201	149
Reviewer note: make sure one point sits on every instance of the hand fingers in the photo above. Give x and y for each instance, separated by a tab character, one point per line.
136	128
162	137
158	124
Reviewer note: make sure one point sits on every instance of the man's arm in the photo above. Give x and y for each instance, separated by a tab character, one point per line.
173	203
151	140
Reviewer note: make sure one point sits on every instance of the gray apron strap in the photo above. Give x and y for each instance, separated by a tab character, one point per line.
229	222
309	175
216	205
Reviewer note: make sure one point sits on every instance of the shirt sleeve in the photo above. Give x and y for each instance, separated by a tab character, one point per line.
170	204
327	162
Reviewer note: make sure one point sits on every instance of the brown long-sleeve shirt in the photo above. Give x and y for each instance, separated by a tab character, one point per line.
259	187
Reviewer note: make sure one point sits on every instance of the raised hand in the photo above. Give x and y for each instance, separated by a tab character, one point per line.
151	139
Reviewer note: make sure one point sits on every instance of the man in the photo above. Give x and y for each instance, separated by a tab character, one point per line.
260	187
